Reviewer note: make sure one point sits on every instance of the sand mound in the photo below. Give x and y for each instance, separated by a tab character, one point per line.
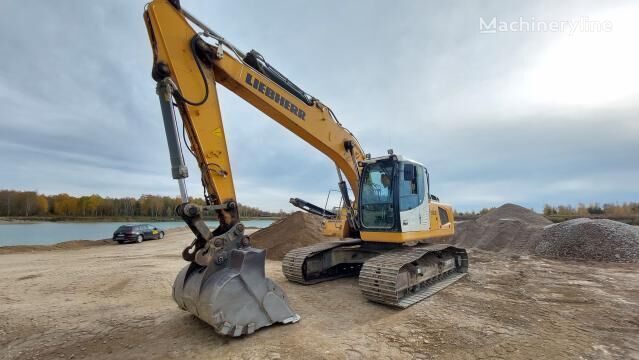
509	228
65	245
513	212
599	239
296	230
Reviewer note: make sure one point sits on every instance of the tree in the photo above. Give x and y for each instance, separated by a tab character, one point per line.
65	205
42	205
93	203
549	210
30	203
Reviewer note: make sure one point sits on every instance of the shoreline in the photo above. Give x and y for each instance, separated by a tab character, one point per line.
76	244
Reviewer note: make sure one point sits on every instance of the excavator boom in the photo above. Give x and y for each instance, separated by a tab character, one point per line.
195	66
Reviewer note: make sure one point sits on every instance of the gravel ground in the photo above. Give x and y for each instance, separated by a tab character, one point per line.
114	302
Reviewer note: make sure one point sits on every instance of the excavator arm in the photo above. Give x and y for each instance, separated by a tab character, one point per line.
225	284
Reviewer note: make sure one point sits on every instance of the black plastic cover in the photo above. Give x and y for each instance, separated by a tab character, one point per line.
257	62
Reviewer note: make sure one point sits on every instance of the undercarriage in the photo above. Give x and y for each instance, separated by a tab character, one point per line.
394	275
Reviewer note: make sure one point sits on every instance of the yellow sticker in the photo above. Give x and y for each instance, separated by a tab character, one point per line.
217	132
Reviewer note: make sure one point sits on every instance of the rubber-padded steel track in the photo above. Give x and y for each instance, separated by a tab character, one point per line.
293	262
378	276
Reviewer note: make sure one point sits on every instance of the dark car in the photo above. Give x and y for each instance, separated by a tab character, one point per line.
137	233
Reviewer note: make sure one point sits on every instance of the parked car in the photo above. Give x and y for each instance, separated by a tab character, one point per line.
137	233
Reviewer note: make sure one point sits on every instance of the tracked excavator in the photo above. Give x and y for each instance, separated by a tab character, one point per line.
392	232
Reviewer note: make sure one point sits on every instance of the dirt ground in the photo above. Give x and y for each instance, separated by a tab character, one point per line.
114	302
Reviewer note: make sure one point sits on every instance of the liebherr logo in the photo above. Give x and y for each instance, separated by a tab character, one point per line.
273	95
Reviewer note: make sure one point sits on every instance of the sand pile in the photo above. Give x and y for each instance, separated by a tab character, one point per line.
296	230
509	228
65	245
69	245
514	213
599	239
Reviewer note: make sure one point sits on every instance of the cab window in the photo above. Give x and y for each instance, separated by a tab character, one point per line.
377	211
411	186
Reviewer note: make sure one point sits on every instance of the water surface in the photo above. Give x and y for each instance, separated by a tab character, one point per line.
44	233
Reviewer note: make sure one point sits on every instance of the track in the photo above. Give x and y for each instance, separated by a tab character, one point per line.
400	277
379	276
293	262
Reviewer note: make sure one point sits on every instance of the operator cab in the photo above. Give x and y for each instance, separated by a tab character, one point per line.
394	195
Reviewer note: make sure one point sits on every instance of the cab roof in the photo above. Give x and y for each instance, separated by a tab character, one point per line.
390	157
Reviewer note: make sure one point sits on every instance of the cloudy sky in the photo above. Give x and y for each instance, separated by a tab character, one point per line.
530	117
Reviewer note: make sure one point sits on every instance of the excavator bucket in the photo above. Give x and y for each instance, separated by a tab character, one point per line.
231	292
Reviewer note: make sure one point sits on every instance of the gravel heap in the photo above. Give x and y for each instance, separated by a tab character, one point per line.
599	239
296	230
509	228
513	212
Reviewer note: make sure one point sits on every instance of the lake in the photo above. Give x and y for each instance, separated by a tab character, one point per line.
45	233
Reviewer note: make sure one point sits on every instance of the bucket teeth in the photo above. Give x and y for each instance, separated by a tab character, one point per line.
250	328
226	328
234	330
293	319
218	317
238	331
229	329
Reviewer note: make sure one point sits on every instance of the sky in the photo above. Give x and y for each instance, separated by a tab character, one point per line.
527	113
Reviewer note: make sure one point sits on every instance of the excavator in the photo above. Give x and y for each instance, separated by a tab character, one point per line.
391	232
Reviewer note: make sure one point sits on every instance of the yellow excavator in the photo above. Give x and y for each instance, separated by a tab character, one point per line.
392	232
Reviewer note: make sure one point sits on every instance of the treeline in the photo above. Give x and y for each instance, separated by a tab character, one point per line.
624	210
471	214
629	209
30	203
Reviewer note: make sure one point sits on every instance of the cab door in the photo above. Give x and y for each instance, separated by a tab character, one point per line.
413	205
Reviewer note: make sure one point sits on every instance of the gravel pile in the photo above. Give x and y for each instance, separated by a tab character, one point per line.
513	212
599	239
509	228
